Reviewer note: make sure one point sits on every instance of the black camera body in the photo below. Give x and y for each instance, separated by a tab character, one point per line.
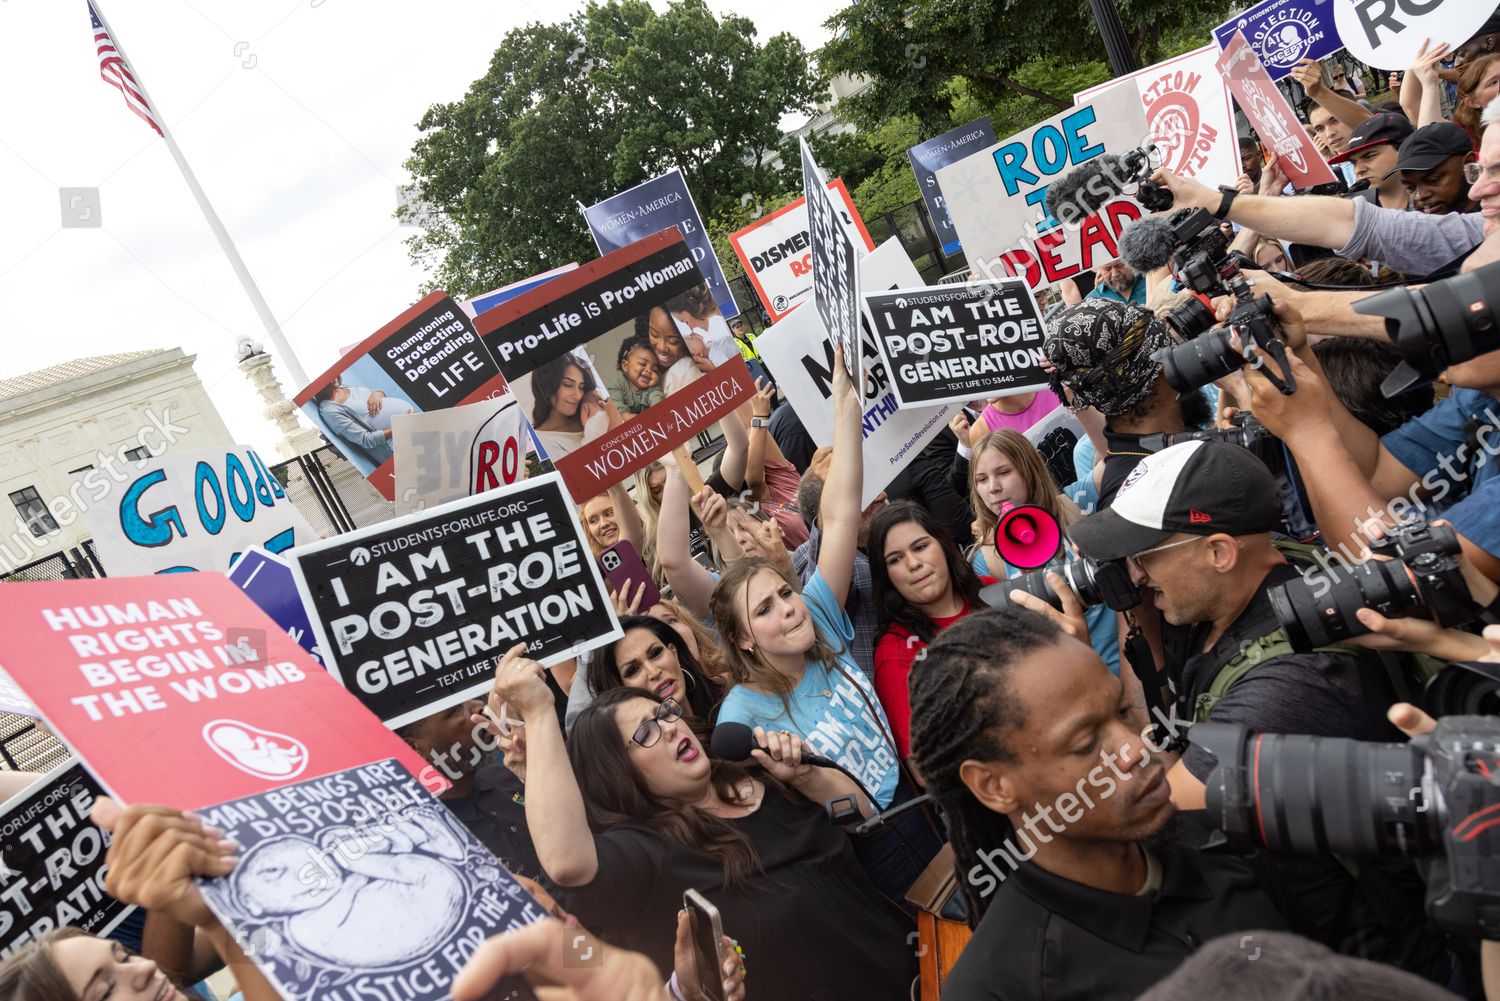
1095	583
1140	164
1423	575
1248	433
1435	799
1204	264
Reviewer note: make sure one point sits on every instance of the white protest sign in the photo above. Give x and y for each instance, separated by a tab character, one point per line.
776	252
797	350
835	263
997	196
1387	33
194	511
955	343
1190	115
449	454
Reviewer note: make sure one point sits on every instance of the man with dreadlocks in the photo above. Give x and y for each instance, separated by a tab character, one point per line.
1056	809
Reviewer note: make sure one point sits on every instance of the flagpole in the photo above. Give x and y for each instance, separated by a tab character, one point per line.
267	318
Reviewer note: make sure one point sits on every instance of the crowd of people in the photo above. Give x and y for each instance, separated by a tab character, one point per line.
829	700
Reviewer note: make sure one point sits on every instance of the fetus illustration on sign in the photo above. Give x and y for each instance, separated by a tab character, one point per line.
327	903
262	753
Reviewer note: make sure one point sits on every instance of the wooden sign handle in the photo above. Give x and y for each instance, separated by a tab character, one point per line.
689	468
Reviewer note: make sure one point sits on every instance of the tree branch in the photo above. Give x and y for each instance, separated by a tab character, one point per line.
1020	88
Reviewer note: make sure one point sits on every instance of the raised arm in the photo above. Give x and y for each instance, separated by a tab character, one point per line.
691	583
1319	220
840	508
629	517
736	451
1423	78
555	814
760	438
1310	74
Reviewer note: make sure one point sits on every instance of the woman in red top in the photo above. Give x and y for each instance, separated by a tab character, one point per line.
921	584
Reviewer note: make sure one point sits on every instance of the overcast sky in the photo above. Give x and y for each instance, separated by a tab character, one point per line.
295	115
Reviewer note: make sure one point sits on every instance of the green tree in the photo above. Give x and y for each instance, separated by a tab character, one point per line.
913	51
575	112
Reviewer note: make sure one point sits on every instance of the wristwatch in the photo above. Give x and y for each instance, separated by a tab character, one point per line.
1228	195
760	422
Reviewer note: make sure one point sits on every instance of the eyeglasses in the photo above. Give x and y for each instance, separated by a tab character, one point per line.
1135	560
1489	171
649	732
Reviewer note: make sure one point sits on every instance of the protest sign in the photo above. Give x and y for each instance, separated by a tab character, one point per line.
643	315
1284	32
1271	115
996	196
52	860
450	454
798	350
1055	436
650	207
1190	115
489	300
955	343
178	690
267	580
1387	33
428	358
775	250
412	613
939	151
194	511
360	885
835	263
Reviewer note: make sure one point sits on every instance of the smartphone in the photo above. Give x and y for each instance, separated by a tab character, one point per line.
708	937
622	565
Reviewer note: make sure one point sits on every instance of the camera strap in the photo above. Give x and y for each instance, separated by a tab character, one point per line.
1153	681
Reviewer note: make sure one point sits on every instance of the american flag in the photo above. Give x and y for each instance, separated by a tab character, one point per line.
116	72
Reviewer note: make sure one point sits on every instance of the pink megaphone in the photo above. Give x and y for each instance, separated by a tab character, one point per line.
1027	537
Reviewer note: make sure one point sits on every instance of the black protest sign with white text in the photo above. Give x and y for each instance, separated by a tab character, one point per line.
52	861
412	613
835	264
954	343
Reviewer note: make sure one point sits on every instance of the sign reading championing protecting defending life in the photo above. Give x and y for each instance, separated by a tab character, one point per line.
412	613
194	511
997	196
1273	118
52	861
776	253
176	689
954	343
656	204
360	885
428	358
1284	32
939	151
798	350
618	362
1190	115
835	263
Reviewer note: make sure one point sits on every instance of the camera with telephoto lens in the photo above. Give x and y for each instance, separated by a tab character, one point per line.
1445	323
1423	576
1095	583
1247	432
1204	264
1434	800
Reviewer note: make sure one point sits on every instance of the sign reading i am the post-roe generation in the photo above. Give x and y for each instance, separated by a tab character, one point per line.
953	343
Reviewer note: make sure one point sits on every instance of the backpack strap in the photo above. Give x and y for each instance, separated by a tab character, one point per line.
1271	645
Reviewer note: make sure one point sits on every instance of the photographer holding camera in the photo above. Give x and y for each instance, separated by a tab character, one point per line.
1194	525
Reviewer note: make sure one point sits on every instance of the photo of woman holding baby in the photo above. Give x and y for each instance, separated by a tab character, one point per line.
567	407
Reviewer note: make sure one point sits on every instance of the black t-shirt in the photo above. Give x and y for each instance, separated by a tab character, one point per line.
1046	937
1125	453
811	925
495	813
1322	694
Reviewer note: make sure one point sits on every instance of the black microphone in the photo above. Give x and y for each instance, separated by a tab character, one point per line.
1147	244
1084	191
735	741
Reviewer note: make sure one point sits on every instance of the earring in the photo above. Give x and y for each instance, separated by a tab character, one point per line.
688	677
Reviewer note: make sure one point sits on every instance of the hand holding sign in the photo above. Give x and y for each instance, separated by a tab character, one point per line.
156	855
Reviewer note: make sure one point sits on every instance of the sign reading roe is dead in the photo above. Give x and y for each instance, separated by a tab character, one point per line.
953	343
412	613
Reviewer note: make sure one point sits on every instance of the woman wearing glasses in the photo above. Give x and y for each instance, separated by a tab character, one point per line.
633	811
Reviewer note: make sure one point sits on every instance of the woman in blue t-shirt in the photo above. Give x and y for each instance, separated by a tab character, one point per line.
788	652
